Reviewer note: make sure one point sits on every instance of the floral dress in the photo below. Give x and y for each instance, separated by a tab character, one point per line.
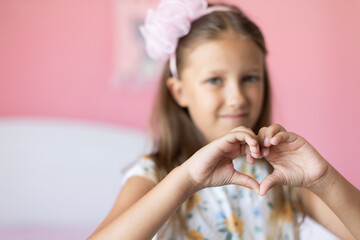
226	212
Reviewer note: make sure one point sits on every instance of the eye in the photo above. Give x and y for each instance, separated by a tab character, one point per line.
214	81
251	78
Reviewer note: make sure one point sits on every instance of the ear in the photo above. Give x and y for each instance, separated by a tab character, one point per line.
176	88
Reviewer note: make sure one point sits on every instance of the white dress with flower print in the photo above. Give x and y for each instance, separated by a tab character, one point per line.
226	212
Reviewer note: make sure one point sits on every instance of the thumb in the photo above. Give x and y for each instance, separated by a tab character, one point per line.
269	181
246	181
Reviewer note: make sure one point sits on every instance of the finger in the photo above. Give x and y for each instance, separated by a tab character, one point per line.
269	181
249	158
283	137
253	145
241	136
232	143
266	184
246	181
244	129
261	136
253	148
265	151
244	137
265	134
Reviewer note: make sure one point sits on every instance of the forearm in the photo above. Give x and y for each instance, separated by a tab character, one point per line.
147	215
342	198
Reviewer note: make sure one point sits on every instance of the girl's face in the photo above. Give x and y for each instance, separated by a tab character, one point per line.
222	84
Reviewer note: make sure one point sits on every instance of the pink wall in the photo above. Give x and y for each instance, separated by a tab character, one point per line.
56	60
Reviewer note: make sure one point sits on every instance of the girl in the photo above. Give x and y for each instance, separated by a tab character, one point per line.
213	141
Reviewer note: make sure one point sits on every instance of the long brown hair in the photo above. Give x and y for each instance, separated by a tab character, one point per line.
175	137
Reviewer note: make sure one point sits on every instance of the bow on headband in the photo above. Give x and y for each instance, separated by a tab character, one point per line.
170	21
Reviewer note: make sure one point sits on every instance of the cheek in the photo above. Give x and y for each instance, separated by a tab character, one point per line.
257	96
260	95
210	103
260	102
204	108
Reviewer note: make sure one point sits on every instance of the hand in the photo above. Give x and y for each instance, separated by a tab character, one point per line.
296	163
213	166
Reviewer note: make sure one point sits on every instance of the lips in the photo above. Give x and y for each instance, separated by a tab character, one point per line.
235	116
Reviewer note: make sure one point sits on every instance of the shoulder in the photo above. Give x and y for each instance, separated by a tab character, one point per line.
134	188
143	168
138	179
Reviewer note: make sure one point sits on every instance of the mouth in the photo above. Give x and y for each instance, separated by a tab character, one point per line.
235	117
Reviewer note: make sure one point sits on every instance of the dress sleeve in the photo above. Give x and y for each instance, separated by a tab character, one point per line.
146	167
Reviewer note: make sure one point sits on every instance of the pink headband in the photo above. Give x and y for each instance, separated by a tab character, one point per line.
171	21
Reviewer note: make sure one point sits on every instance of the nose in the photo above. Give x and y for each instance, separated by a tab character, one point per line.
235	96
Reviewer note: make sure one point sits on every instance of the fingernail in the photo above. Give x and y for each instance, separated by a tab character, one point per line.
266	141
255	149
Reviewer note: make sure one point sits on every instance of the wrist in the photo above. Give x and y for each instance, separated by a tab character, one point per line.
187	184
324	184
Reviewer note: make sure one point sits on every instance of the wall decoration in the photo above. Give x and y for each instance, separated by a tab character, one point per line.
133	69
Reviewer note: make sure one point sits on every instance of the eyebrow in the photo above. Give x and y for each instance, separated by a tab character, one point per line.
222	71
254	70
216	72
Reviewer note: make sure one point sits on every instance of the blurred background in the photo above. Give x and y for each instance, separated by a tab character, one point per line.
76	91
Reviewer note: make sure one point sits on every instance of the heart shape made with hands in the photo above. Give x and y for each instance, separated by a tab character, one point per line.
253	155
295	161
269	148
213	165
274	150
